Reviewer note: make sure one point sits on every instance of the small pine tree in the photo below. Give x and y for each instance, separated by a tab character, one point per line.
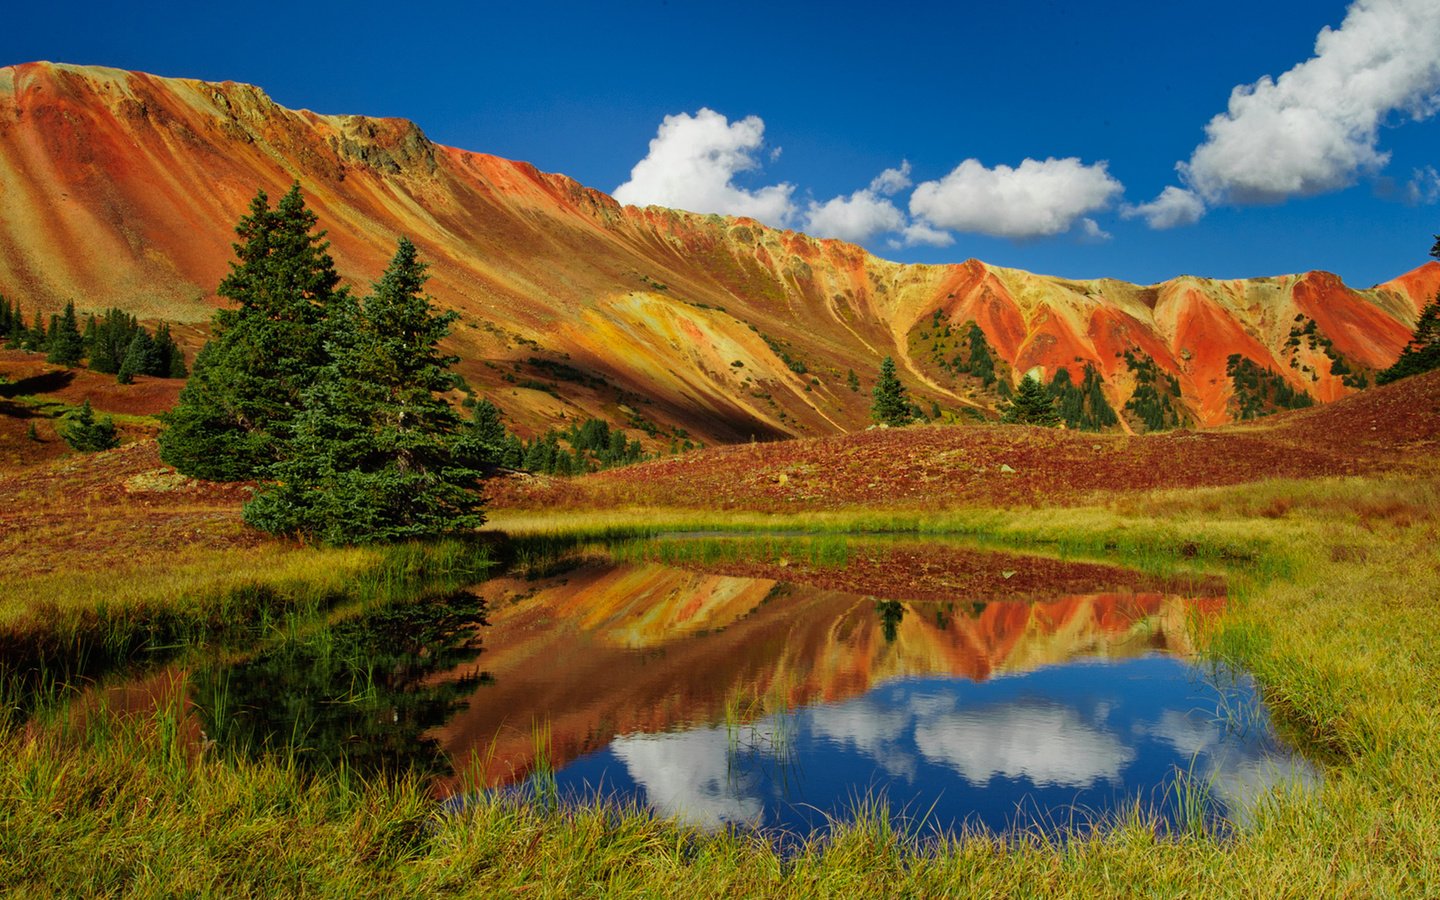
140	358
1422	354
484	436
67	345
853	380
15	331
1031	405
890	404
169	358
36	340
87	435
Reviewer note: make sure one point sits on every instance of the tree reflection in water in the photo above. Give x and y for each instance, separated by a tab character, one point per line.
359	693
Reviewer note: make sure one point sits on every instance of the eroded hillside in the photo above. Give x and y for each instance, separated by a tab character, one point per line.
121	188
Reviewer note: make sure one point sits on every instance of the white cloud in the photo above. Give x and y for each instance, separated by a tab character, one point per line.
1424	187
920	233
1092	233
1173	208
863	214
1316	127
1049	745
688	776
857	218
1035	199
892	181
692	163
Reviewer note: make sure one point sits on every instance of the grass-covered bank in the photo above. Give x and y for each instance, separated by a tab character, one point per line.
68	628
1336	620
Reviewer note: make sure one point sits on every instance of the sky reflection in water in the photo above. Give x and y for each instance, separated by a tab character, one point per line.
741	701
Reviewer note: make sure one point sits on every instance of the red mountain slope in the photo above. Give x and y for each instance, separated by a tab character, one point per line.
121	188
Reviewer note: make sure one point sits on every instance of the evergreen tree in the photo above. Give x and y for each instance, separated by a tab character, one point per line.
85	434
141	358
36	340
373	455
246	388
890	405
67	346
1031	405
486	434
112	338
169	358
1422	354
12	325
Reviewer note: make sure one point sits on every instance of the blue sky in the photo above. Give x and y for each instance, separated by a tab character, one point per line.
792	112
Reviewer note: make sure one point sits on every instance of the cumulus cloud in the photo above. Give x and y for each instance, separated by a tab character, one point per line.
892	181
863	214
692	164
1035	199
688	776
1316	127
1049	745
1092	233
1173	208
920	233
1424	187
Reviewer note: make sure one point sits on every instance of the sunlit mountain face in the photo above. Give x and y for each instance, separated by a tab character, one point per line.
122	189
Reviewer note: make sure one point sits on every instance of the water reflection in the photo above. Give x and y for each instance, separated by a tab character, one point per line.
359	693
722	699
1049	748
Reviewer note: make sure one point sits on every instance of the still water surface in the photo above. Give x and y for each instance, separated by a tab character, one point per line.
748	701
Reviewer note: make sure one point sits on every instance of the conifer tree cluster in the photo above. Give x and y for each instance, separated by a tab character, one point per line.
1260	391
333	402
1082	406
114	344
1032	404
1156	398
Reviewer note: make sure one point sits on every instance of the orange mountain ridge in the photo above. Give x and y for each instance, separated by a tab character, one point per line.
122	189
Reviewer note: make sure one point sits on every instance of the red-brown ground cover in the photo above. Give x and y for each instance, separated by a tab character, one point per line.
985	465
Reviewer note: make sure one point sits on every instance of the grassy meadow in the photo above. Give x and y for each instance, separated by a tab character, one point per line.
1334	587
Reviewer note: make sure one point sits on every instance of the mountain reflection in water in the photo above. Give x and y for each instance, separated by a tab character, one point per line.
729	700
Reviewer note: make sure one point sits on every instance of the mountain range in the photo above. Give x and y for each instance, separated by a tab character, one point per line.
122	189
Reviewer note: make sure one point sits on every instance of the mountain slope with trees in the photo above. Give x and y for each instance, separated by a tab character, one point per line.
677	325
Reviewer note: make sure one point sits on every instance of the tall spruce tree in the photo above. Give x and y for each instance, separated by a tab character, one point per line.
169	358
246	387
890	405
36	339
374	456
1031	405
67	345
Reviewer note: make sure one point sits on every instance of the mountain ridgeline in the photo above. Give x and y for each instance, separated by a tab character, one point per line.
120	191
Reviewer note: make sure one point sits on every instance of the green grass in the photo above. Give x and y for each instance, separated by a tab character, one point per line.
1334	600
62	640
